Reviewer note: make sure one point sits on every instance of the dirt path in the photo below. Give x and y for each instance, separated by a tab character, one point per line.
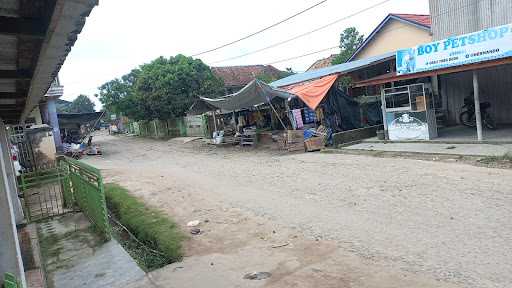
346	220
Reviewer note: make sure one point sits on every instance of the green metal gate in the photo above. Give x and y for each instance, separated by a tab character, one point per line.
84	185
70	186
43	195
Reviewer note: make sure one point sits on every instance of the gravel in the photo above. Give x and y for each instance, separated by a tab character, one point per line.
447	220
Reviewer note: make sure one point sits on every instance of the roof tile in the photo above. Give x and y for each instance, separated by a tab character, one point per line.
236	76
421	19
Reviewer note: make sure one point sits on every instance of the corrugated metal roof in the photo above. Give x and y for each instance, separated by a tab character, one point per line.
340	68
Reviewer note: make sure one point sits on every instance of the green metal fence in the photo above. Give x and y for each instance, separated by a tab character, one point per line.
85	185
70	186
43	193
10	281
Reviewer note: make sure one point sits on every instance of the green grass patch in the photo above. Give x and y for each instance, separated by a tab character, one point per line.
150	226
506	158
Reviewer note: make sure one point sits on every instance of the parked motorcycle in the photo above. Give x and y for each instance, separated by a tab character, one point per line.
468	118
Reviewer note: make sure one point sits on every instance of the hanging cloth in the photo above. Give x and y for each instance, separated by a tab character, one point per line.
297	115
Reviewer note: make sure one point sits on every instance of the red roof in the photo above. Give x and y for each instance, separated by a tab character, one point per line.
420	19
237	76
322	63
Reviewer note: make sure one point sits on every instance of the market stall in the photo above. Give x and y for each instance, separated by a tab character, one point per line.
408	113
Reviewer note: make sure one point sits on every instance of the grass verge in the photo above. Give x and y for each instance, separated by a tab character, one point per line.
161	237
506	158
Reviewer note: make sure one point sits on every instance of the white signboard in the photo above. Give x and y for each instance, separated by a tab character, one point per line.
489	44
407	126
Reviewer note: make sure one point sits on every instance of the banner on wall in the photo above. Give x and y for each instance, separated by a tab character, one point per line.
488	44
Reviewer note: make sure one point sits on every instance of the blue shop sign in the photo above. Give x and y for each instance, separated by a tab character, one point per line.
488	44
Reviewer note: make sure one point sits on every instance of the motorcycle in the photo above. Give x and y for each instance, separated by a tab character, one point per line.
468	118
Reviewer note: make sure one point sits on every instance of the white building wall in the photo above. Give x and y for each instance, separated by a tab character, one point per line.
10	256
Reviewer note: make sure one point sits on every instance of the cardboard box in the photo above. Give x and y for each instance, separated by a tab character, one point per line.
314	144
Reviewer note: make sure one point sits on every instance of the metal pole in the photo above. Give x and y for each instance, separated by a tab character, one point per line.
383	107
214	121
277	114
478	115
274	109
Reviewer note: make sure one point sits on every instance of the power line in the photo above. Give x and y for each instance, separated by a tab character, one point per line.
304	34
260	31
303	55
381	33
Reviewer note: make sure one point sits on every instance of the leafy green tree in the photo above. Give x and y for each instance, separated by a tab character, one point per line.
350	40
118	96
81	104
62	106
163	89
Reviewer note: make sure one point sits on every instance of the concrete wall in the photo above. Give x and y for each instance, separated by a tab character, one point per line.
10	255
393	36
456	17
355	135
195	126
36	114
495	87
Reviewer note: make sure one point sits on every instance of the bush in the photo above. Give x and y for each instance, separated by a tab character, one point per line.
149	225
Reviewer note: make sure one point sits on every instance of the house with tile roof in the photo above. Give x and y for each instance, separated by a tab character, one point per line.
322	63
237	77
395	32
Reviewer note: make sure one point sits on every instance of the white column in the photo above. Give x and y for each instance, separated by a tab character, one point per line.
10	254
383	108
478	115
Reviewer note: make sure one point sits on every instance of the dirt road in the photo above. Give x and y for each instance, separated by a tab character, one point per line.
342	220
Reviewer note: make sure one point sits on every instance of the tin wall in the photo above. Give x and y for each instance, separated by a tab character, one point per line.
495	87
456	17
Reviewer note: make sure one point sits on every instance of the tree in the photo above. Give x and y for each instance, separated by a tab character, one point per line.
62	106
350	40
118	96
165	88
81	104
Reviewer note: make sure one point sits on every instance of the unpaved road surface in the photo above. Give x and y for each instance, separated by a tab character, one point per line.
341	220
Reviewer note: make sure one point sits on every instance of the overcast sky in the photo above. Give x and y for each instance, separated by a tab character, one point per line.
122	34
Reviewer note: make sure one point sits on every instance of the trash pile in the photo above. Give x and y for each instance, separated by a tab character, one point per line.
77	150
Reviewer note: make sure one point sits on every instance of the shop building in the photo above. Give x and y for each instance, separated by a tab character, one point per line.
455	73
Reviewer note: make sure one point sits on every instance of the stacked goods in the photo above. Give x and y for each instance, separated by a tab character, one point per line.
316	139
294	140
314	144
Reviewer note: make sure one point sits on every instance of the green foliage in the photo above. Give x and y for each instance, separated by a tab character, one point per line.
62	106
118	96
163	89
149	225
344	82
350	40
81	104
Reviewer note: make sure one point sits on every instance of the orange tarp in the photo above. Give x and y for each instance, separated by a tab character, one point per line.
313	92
